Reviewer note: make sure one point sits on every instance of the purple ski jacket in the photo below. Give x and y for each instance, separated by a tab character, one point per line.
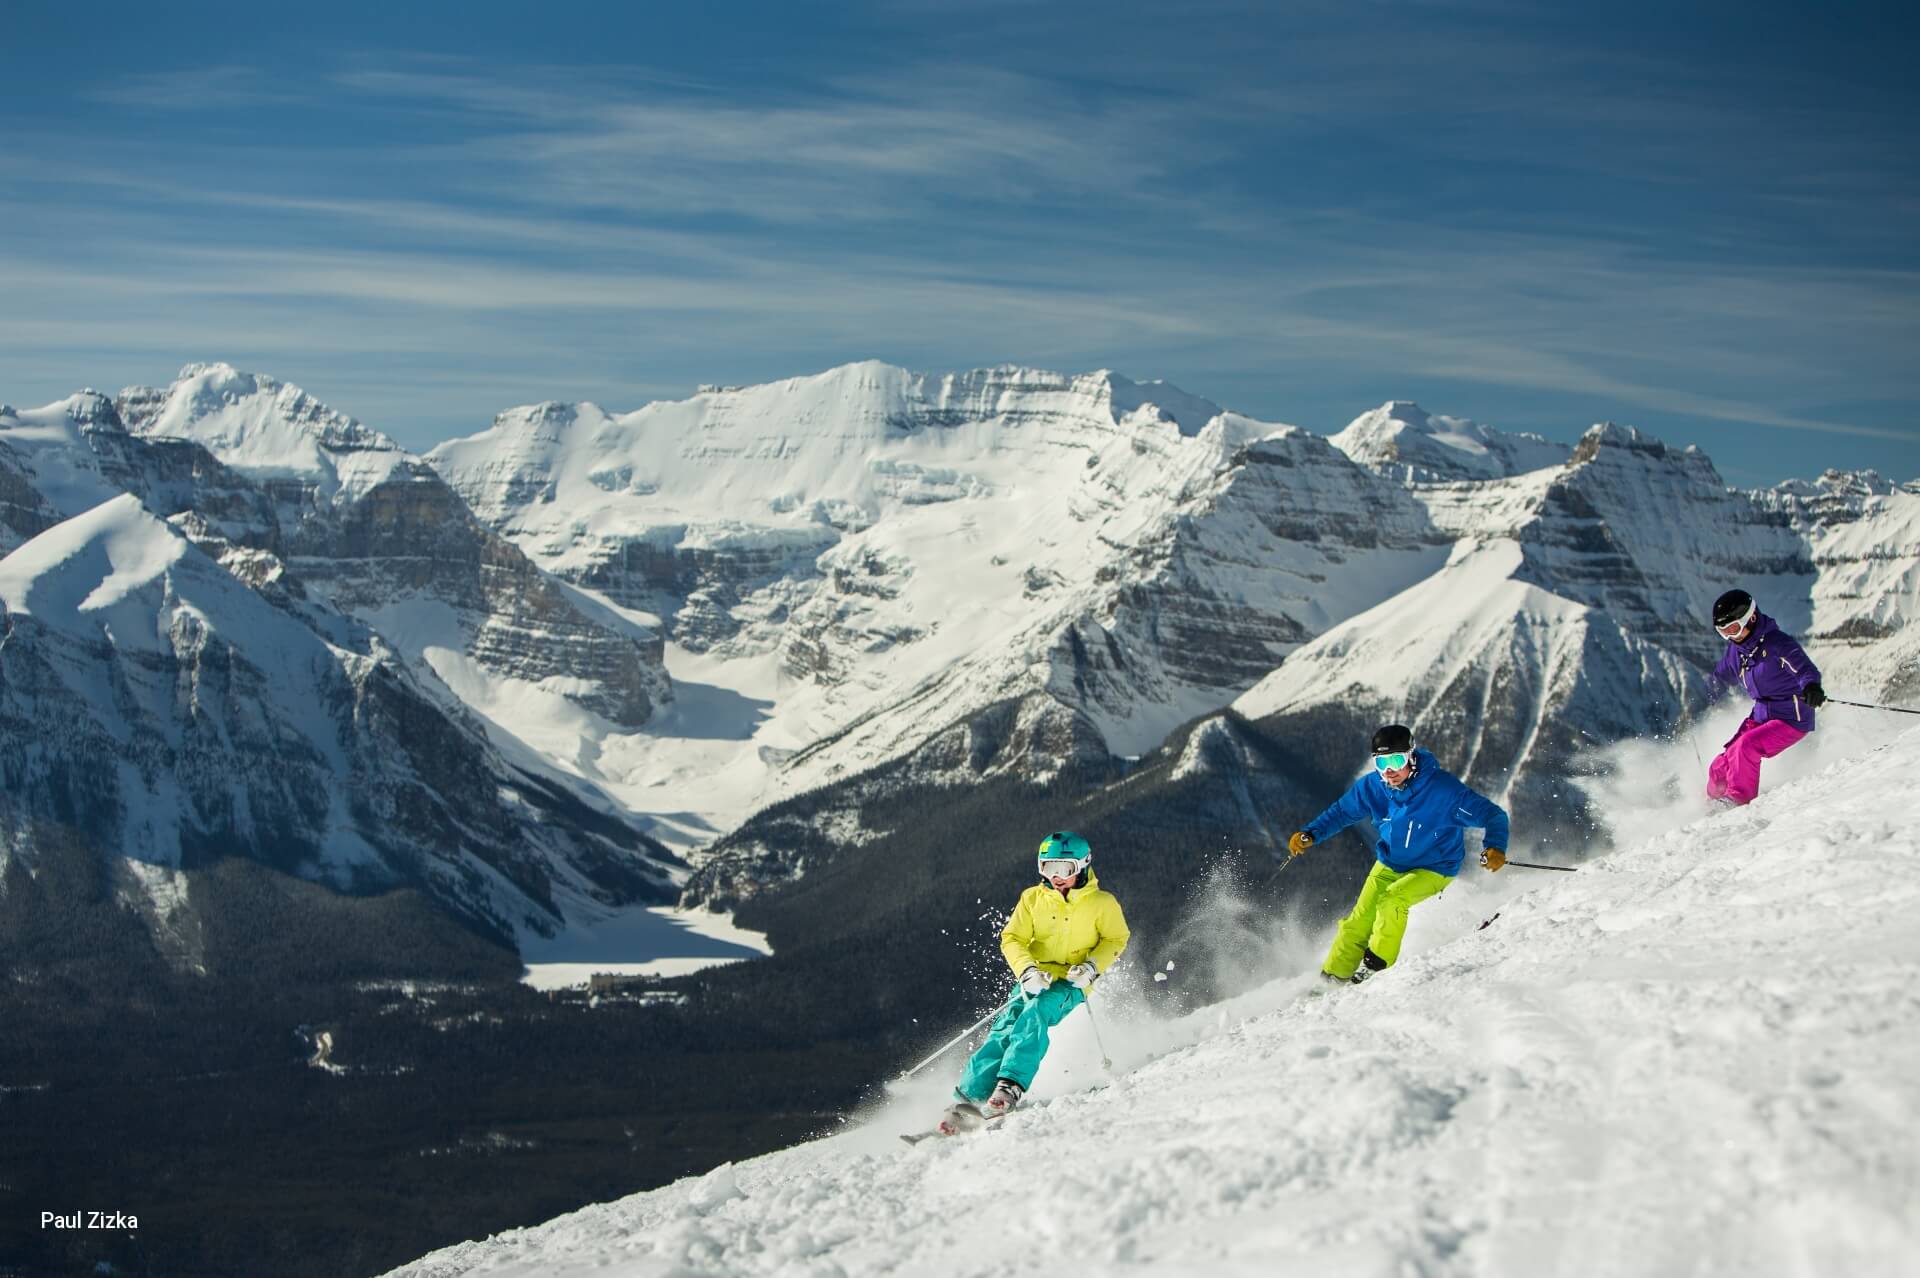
1772	669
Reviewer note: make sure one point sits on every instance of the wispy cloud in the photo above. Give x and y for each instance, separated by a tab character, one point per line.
1384	209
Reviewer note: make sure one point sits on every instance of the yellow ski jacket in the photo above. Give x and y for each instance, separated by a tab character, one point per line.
1053	933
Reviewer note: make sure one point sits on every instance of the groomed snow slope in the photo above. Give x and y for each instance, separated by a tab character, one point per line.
1695	1056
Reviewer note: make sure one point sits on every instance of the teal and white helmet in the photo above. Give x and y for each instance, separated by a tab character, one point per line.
1065	845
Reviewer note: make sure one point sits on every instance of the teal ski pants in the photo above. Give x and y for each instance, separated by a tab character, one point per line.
1017	1040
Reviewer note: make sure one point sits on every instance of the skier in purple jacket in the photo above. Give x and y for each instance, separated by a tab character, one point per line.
1770	667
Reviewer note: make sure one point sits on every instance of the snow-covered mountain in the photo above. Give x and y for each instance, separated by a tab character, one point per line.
1007	573
374	531
1506	681
1569	617
1599	1082
170	692
879	554
1404	441
873	558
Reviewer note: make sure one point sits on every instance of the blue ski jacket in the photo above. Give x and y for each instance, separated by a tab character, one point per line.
1419	824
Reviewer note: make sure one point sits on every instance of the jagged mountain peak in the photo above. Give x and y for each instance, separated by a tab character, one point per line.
1607	444
265	428
256	421
1406	442
83	410
90	410
1834	483
831	450
1190	412
1614	434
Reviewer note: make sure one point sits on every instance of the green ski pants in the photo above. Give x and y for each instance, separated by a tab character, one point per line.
1379	918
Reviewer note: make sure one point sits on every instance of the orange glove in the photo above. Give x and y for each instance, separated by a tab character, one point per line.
1493	858
1299	843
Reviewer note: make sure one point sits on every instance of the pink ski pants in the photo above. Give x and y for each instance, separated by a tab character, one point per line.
1735	774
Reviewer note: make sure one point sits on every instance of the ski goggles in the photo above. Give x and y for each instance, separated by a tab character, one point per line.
1060	869
1391	762
1732	629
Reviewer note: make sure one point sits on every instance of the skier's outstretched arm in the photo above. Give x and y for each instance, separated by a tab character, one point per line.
1341	813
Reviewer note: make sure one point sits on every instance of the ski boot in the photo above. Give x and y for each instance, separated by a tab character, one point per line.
1006	1094
961	1116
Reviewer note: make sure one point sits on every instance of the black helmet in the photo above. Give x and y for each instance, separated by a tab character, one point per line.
1735	605
1392	739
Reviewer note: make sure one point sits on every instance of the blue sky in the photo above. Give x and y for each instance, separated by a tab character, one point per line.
1539	216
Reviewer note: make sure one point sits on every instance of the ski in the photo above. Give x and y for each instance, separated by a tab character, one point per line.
957	1121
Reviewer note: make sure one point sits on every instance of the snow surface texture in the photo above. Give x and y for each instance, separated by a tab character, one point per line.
1694	1056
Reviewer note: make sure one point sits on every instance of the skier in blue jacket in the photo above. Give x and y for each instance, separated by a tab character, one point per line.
1418	810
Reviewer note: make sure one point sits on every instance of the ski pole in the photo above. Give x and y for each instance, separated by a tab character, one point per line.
1534	865
1106	1062
1868	705
956	1039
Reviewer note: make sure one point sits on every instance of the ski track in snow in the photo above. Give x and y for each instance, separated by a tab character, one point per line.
1696	1056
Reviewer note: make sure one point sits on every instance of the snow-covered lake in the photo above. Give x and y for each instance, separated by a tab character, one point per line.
657	941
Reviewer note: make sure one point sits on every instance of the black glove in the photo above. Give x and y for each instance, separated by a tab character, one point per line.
1816	695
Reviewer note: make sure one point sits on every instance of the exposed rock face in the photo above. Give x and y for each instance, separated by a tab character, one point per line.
24	513
1254	559
1652	536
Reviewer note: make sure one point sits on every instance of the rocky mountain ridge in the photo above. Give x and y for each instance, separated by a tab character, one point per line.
1005	574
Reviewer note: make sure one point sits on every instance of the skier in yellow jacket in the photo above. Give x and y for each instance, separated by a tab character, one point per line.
1063	935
